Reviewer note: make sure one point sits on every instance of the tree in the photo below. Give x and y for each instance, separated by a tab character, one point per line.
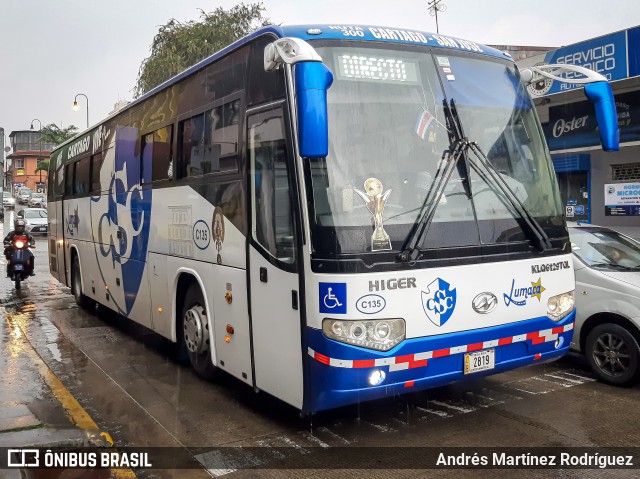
179	45
43	165
56	135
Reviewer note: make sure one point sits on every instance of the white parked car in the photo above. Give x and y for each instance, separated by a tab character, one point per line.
37	200
36	219
607	328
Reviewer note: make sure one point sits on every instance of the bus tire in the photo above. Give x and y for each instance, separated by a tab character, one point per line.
76	286
194	333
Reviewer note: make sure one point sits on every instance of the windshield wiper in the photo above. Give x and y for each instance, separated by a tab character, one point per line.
542	241
460	146
613	266
449	161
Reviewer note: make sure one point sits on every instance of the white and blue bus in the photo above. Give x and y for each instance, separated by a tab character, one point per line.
331	214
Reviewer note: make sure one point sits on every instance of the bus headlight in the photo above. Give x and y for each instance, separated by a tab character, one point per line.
380	334
560	306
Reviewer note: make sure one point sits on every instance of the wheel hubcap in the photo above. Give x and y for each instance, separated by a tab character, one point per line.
196	330
611	354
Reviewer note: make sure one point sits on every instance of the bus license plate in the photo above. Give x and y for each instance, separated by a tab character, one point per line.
479	361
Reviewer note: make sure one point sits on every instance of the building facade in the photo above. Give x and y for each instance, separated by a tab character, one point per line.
596	186
27	152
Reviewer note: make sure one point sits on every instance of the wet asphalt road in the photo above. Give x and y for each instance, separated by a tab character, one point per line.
124	378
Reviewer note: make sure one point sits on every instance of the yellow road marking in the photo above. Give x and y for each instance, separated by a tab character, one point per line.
72	407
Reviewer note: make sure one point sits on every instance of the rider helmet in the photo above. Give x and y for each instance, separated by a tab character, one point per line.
19	225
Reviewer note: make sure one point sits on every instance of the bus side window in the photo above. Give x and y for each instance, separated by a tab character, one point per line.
191	146
156	154
263	86
68	179
81	177
96	166
222	126
273	225
51	180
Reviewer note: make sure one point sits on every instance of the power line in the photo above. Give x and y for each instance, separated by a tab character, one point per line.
436	6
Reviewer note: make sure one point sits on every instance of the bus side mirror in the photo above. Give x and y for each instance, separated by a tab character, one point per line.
600	94
312	80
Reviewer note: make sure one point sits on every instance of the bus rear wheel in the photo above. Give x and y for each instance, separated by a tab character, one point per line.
195	334
76	286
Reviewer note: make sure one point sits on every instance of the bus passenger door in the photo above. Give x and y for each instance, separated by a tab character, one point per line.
273	268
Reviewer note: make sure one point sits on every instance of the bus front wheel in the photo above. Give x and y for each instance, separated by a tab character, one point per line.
195	333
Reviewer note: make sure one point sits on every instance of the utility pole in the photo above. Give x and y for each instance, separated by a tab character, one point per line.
436	6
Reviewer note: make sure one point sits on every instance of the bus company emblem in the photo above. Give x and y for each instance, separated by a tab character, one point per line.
519	296
439	301
484	303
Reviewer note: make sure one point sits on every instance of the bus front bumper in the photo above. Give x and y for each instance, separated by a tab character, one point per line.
340	374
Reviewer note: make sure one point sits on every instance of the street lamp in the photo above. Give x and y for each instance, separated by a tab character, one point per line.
40	145
76	107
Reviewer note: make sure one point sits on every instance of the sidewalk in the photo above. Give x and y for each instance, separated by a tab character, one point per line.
30	412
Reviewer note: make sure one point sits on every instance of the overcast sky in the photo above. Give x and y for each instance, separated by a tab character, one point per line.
52	50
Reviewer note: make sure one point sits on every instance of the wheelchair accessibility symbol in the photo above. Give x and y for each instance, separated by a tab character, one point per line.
333	298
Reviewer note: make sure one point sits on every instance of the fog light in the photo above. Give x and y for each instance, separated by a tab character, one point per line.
559	342
376	377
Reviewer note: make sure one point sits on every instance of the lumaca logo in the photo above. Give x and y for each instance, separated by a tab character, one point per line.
520	295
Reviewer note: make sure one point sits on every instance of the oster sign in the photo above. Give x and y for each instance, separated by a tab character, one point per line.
574	125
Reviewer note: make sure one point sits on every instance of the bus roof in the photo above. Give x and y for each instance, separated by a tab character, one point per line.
316	32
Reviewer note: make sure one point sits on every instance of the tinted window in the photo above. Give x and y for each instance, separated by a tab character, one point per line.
273	221
156	154
263	86
227	75
68	179
208	142
81	178
96	165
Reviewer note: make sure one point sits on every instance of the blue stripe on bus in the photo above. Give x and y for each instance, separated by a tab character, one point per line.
332	387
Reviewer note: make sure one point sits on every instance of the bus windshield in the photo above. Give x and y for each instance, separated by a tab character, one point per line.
388	131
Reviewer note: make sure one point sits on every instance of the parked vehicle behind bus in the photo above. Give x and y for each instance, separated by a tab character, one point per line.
329	214
607	266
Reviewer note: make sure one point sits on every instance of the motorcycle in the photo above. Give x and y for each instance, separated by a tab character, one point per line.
18	262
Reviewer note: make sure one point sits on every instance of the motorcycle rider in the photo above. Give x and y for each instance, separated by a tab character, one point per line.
19	226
